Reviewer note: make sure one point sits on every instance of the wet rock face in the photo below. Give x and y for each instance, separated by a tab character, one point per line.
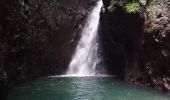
38	37
121	39
3	84
157	45
137	46
106	3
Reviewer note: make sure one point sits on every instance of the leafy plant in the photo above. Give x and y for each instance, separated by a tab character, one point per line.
132	7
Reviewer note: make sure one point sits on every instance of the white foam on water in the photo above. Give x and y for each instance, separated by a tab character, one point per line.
82	76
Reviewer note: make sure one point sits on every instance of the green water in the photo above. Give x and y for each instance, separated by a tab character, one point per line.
82	88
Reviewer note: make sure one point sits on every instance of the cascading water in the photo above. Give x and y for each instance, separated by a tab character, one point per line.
86	59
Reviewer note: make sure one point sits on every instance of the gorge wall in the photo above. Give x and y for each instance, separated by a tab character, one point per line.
121	36
136	44
38	37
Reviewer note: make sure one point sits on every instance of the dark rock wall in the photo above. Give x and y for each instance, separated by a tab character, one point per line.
137	45
38	37
121	38
106	3
157	45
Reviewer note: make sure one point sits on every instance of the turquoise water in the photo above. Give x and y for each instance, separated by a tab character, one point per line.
82	88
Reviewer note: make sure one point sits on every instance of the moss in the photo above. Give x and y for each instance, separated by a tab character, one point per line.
132	7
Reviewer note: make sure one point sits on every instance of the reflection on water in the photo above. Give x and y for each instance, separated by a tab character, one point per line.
85	88
82	88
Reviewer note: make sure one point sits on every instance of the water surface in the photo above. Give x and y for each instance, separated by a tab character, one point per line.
82	88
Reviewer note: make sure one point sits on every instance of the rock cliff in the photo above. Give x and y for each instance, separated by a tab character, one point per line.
37	37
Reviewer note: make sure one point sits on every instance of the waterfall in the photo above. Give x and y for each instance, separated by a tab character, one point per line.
86	59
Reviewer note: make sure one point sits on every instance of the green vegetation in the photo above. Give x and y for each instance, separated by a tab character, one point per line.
132	7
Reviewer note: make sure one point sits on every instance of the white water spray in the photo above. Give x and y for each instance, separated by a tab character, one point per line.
86	59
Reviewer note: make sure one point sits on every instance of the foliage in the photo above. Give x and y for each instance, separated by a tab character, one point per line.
142	2
132	7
